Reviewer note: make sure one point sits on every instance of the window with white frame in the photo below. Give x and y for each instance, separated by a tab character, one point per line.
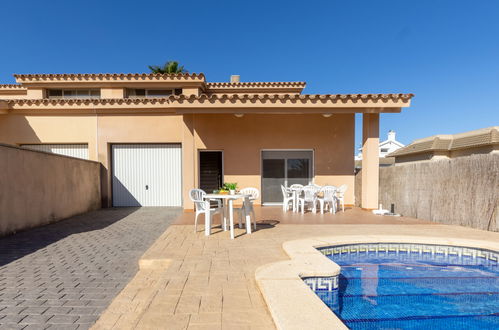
153	93
73	93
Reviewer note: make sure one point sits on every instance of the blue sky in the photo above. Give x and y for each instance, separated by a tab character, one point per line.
445	52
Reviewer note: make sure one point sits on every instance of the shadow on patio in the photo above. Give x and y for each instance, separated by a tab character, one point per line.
22	243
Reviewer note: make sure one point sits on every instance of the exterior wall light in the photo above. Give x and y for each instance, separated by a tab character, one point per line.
327	115
239	115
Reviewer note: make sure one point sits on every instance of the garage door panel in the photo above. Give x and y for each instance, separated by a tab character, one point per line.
72	150
147	175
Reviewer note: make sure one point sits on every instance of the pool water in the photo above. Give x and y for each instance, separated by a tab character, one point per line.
414	290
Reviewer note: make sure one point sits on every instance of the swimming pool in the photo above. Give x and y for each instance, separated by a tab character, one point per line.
412	286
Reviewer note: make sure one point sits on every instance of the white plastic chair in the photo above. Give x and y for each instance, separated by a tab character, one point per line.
201	206
296	191
254	193
340	195
318	187
328	198
309	197
287	196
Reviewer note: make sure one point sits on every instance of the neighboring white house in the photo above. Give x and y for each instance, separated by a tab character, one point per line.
385	147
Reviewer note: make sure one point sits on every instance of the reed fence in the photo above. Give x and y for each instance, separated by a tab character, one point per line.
462	191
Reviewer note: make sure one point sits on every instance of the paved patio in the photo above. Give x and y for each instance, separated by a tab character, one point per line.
274	215
189	281
64	275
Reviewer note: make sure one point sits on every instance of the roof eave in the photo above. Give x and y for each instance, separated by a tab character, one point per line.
30	79
354	103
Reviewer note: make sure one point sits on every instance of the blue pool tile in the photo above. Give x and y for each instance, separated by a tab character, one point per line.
393	288
454	323
390	286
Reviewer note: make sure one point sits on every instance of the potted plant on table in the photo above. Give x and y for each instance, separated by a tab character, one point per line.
231	187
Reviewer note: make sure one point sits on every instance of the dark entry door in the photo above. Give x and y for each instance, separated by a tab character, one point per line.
210	170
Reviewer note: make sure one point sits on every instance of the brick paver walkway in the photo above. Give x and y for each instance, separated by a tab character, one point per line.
64	275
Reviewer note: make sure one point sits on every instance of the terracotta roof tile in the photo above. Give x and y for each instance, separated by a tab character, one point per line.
296	84
11	86
295	97
263	98
472	139
106	76
75	101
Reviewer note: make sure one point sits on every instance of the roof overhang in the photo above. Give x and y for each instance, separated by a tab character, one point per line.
288	104
289	87
111	80
213	104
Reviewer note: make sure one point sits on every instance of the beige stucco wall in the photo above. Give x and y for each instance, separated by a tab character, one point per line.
32	129
112	93
13	95
38	188
241	139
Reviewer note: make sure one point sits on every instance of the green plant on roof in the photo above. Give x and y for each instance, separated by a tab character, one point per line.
168	67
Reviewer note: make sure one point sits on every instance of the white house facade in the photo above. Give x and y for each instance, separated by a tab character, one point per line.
385	147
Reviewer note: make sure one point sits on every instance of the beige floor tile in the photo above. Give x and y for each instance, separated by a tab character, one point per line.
247	317
262	327
257	300
175	285
106	321
188	305
123	306
206	318
158	321
236	303
235	326
144	294
165	303
126	322
211	304
204	327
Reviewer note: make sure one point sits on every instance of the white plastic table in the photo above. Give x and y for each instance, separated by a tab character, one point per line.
230	203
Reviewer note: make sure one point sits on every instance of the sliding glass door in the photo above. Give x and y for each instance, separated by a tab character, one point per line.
284	167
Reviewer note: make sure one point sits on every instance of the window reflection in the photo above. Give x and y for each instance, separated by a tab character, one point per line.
369	275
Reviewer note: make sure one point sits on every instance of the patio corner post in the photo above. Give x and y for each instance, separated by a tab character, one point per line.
188	160
370	160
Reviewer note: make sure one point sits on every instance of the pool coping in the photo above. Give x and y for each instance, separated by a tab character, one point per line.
293	305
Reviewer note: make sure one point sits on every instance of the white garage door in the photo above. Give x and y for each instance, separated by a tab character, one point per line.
73	150
147	174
